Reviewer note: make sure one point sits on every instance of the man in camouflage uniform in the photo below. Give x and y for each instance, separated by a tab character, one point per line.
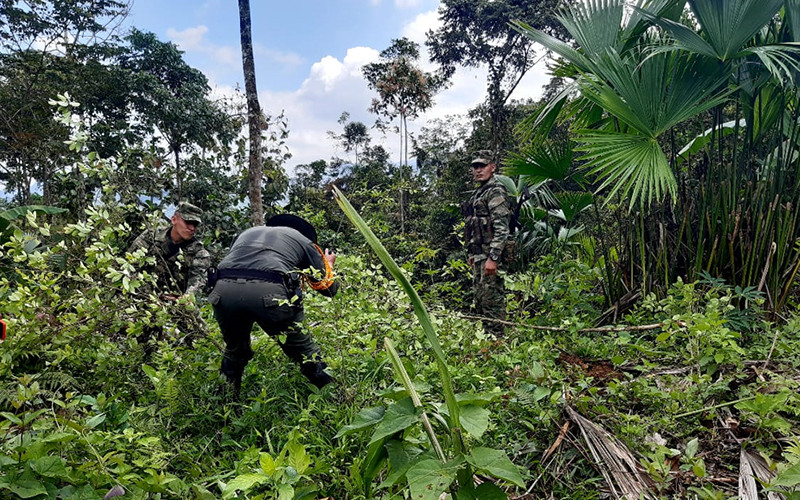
180	264
488	238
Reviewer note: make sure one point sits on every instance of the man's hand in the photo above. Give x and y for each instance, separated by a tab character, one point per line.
169	297
330	256
490	268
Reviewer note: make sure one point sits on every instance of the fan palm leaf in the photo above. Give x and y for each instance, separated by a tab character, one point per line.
726	29
539	162
655	94
594	24
728	26
792	18
631	165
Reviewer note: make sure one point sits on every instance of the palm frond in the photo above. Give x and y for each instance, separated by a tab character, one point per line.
657	93
782	61
616	463
633	166
752	467
638	23
594	24
551	43
685	38
792	18
550	160
728	26
571	203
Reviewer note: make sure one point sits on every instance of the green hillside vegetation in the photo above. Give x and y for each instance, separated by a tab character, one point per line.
652	347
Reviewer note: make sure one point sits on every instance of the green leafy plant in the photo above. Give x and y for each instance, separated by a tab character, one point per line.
428	476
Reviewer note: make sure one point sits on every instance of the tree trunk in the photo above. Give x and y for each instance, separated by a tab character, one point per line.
253	114
178	177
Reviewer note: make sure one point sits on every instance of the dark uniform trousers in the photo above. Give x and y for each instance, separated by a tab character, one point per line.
238	303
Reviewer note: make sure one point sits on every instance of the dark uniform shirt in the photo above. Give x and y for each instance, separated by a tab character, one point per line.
276	248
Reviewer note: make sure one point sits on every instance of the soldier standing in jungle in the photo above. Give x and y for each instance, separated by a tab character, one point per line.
180	266
488	240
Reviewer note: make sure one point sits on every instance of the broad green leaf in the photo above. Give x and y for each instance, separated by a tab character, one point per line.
474	420
49	467
18	212
244	483
692	447
430	478
402	456
285	492
11	417
374	461
481	399
496	464
298	458
25	488
365	419
85	492
699	469
399	416
59	437
699	142
788	477
150	372
490	491
267	463
96	420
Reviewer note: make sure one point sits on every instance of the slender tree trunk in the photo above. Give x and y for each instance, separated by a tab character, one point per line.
178	177
253	114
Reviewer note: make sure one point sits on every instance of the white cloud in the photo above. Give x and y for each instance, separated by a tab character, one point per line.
417	29
332	87
336	85
190	38
221	59
406	4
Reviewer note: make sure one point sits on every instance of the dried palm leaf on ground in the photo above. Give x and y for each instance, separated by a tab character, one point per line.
616	463
752	466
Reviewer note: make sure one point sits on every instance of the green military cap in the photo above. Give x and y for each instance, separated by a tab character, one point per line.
190	213
483	157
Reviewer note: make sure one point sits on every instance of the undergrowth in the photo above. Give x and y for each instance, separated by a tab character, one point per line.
87	412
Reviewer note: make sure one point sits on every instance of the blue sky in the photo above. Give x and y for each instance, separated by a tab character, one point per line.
308	55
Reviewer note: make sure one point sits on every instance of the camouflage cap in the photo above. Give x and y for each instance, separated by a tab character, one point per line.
483	157
190	213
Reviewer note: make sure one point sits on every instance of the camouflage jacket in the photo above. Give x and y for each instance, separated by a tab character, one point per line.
488	216
178	268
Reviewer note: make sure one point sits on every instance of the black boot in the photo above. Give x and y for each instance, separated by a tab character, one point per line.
315	373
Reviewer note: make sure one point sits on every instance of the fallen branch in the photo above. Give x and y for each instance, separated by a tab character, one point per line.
707	408
599	329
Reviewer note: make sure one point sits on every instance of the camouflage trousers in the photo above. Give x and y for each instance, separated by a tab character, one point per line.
238	304
490	298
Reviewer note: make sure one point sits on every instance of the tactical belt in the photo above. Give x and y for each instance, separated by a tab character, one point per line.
251	274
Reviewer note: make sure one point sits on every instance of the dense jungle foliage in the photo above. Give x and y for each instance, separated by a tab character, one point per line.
653	339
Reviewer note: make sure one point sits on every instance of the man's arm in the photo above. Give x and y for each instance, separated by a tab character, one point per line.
317	262
500	214
200	261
